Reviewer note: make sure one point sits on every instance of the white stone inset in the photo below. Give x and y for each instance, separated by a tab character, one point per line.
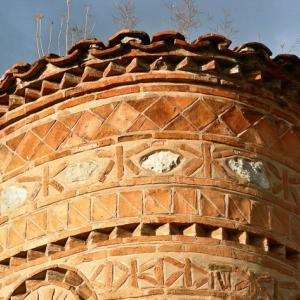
11	197
252	171
160	161
80	171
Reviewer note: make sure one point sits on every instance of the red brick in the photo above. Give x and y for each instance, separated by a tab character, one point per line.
130	204
279	221
162	111
212	203
158	201
88	126
235	120
56	135
260	215
200	115
239	209
42	130
28	145
123	117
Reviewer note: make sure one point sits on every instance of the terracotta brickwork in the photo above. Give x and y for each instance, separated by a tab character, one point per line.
151	170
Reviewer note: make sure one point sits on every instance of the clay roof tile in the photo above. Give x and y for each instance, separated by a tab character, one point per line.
212	39
126	35
86	44
132	51
167	36
253	47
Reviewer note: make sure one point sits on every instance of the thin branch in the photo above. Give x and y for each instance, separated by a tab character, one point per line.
186	16
125	16
92	29
225	26
40	36
36	18
50	36
67	25
86	23
59	35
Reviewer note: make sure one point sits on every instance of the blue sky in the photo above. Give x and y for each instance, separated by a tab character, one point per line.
273	22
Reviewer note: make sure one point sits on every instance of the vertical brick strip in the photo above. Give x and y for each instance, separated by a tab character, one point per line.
120	166
187	273
46	181
285	185
159	271
109	275
206	160
133	273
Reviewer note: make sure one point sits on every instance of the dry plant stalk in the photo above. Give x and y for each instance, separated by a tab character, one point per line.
38	34
67	34
125	16
185	16
225	25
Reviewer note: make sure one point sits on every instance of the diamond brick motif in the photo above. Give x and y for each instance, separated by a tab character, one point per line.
162	112
217	106
16	232
185	201
28	145
58	217
42	130
88	126
260	215
104	110
14	142
37	225
56	135
79	212
235	120
123	117
180	123
239	209
70	120
212	203
158	201
142	124
268	130
143	104
130	204
104	207
200	115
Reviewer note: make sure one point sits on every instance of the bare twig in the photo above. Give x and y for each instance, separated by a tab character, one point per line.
67	34
225	25
86	23
92	29
68	2
38	34
50	36
59	35
125	16
186	16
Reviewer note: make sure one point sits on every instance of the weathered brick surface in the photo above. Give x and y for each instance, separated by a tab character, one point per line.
148	177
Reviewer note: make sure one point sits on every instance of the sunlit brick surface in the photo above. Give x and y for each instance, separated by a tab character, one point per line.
162	170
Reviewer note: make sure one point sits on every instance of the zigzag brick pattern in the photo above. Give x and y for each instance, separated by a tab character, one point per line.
154	169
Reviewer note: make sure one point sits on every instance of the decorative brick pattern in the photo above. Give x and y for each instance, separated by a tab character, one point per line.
151	170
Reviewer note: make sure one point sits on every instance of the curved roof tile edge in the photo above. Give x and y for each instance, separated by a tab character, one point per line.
285	67
83	45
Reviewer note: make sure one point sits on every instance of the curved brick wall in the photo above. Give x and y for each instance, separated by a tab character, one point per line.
161	170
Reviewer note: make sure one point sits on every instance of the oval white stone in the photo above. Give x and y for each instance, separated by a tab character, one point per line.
160	161
12	196
79	171
252	171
